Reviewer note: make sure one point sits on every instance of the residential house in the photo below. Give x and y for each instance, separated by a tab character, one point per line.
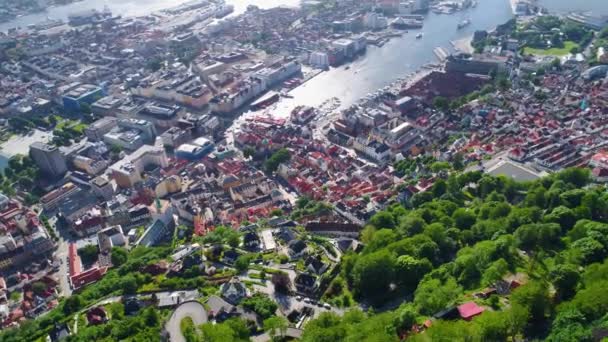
296	249
315	265
305	283
233	291
97	315
469	310
251	240
230	256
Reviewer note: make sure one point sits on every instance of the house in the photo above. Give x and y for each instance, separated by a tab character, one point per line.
97	315
334	228
485	293
160	267
348	244
286	234
449	313
132	305
191	260
305	283
89	276
296	248
220	310
60	332
172	299
315	266
251	240
230	256
233	291
2	285
469	310
281	222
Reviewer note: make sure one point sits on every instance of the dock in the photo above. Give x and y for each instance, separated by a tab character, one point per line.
441	53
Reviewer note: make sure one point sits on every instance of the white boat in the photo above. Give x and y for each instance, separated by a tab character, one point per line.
419	36
464	24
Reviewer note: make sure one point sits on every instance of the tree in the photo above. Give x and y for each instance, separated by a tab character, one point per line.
535	297
409	270
464	218
565	278
38	287
411	225
118	256
562	215
276	159
275	325
229	331
438	166
281	282
248	152
372	275
88	254
538	236
72	304
433	295
569	325
260	304
441	103
439	188
404	319
154	64
382	219
242	263
188	330
129	285
576	176
590	250
325	328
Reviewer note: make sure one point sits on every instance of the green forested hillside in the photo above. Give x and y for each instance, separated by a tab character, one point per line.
470	231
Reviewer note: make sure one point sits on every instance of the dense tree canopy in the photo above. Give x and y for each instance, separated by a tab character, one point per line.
471	233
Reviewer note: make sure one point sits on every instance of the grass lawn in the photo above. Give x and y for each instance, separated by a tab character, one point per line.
80	127
553	51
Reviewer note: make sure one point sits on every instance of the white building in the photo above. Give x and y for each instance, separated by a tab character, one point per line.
88	165
375	21
373	149
111	237
127	172
319	59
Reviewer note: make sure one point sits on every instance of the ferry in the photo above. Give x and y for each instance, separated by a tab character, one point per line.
419	36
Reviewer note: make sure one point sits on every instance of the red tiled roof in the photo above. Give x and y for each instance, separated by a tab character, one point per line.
88	276
469	310
75	263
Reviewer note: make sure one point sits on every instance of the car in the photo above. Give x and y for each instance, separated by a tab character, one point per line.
327	306
298	298
307	300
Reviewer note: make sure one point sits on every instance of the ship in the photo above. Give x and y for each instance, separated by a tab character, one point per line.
265	101
464	24
404	23
419	36
302	114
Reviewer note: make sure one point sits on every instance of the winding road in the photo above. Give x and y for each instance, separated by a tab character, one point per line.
192	309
